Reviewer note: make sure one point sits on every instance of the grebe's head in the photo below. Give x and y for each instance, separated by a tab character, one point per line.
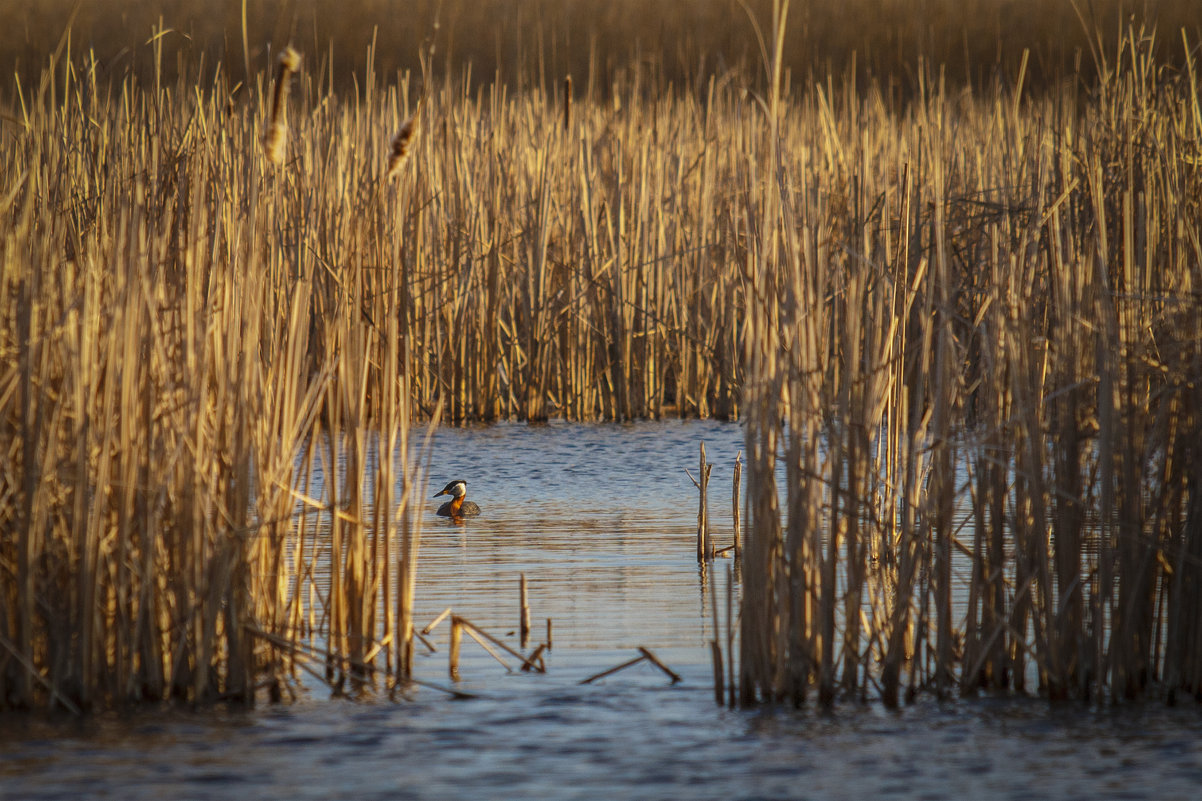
457	489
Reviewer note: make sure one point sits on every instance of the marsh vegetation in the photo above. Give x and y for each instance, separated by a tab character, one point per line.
958	308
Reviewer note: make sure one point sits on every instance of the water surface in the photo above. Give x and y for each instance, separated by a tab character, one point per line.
601	519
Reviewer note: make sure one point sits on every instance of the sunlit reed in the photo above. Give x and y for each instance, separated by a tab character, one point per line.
276	139
965	328
972	345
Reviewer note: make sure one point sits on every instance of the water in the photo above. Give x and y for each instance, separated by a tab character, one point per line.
601	519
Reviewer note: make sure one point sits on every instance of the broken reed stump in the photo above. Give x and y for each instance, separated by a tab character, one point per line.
524	626
705	543
456	637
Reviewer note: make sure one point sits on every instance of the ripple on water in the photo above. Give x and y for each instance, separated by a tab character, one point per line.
601	519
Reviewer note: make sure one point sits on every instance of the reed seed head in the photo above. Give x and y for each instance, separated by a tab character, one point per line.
276	138
289	60
401	144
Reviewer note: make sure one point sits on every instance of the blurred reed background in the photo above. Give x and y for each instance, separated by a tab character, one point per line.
951	291
532	44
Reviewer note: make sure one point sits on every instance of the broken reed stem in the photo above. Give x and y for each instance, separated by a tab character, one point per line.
453	652
460	625
705	543
644	655
429	629
494	640
613	670
524	614
484	642
653	659
535	660
276	139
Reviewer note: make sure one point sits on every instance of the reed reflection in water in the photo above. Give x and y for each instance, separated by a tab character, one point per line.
600	518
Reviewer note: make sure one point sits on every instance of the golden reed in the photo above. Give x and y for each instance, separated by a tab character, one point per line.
275	141
966	330
979	369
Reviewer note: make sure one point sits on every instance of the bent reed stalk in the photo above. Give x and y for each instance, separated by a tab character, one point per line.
968	327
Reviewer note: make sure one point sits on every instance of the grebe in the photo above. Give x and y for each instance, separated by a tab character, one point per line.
456	507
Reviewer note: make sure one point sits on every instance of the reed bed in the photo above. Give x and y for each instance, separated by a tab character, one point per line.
209	299
189	333
966	327
974	348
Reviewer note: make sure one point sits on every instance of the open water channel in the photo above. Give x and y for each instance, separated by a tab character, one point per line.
601	519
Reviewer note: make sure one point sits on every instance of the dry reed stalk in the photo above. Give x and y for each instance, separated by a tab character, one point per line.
705	543
535	660
484	642
453	653
653	659
524	613
429	628
645	655
482	634
410	534
275	141
615	669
